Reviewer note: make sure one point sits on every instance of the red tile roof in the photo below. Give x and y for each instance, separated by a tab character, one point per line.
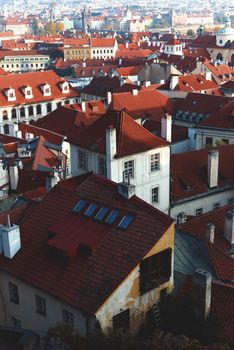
222	307
131	138
195	82
84	282
223	264
221	71
147	103
35	80
128	71
188	184
179	132
133	53
197	227
50	136
10	147
173	41
222	119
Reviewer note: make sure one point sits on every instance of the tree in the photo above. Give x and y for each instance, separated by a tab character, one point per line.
59	26
191	33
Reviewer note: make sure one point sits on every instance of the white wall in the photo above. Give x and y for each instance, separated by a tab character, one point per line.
144	180
217	135
25	311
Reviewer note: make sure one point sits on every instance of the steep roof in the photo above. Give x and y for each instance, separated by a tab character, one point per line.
188	184
131	137
84	281
222	306
195	82
50	136
147	103
222	119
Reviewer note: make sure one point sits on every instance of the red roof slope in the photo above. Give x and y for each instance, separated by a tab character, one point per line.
222	263
222	307
195	82
131	138
147	103
188	184
50	136
85	281
224	118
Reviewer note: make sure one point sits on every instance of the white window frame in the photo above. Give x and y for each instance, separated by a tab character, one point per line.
68	317
198	211
82	163
128	169
155	194
154	162
40	303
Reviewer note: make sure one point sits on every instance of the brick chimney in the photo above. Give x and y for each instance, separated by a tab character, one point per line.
213	168
229	226
201	293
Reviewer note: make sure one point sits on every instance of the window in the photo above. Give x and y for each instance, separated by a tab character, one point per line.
154	195
13	113
40	305
38	109
225	141
30	111
5	115
155	270
82	160
199	211
209	141
49	107
230	200
129	169
68	318
122	321
13	292
22	112
154	162
216	205
15	322
102	166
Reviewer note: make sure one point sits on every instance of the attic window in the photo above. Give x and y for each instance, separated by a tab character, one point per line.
28	92
10	94
112	217
101	214
91	209
64	87
125	222
46	90
79	206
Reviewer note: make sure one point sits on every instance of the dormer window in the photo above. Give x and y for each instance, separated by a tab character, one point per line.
28	92
10	93
64	87
46	90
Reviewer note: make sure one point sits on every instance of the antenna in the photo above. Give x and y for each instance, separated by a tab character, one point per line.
8	221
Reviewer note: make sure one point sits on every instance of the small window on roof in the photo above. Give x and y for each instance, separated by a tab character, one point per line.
91	209
79	206
126	221
111	217
101	213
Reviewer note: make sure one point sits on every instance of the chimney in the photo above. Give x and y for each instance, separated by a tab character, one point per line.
120	61
126	45
229	226
10	239
201	293
14	176
162	81
109	97
147	83
52	180
135	92
210	232
83	64
111	147
126	189
166	126
213	168
208	76
83	107
174	81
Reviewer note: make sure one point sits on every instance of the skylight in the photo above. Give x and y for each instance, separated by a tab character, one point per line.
126	221
79	206
111	217
91	209
101	213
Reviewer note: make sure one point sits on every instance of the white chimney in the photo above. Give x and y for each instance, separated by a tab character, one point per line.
83	106
135	92
126	45
213	168
126	189
210	232
111	147
109	97
51	181
162	81
166	127
14	176
229	226
83	64
201	293
10	239
147	83
208	76
120	61
174	81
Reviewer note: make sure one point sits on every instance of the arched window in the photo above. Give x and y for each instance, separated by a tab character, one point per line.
22	112
30	111
13	114
5	115
49	107
38	109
